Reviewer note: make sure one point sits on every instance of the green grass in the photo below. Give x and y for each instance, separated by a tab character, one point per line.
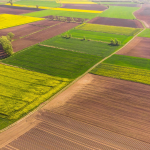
117	3
52	61
129	61
23	90
109	29
88	47
145	33
119	12
124	73
44	13
39	3
98	36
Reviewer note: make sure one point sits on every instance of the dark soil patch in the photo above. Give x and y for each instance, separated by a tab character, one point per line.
85	6
41	36
117	22
26	29
125	5
2	52
144	14
139	47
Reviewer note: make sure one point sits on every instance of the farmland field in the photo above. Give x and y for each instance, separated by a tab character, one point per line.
89	47
98	36
8	20
119	12
139	47
52	61
22	90
117	22
45	13
145	33
109	29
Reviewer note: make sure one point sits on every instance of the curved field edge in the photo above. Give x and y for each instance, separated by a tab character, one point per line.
120	12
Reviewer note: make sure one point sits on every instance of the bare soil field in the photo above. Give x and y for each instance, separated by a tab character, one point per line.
125	5
85	6
42	35
4	10
2	53
84	116
144	14
117	22
139	47
26	29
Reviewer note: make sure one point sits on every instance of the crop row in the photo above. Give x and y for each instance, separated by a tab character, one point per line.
109	29
8	20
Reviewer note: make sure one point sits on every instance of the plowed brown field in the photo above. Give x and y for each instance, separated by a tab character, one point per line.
42	35
85	6
125	5
94	113
139	47
4	9
2	53
144	14
117	22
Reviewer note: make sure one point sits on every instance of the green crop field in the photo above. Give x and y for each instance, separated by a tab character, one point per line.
129	61
44	13
53	61
89	47
98	36
23	90
119	12
39	3
121	72
109	29
145	33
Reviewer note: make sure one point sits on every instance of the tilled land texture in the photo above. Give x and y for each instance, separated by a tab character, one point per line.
2	53
144	14
42	35
85	6
139	47
117	22
26	29
125	5
97	113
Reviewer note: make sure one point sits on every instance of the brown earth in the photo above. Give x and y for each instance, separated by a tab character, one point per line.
2	52
15	11
42	35
125	5
85	6
143	14
117	22
94	113
26	29
139	47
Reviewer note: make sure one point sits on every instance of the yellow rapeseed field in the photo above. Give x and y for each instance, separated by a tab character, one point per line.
77	10
7	20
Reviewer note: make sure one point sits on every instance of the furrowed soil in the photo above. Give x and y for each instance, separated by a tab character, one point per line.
2	53
139	47
143	14
117	22
94	113
126	5
42	35
85	6
26	29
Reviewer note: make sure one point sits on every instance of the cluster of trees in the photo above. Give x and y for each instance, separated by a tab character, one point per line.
11	2
5	42
115	42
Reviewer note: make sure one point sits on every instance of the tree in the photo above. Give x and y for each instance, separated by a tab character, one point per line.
37	6
6	44
82	20
11	2
10	35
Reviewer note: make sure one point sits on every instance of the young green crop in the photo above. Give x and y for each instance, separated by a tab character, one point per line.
145	33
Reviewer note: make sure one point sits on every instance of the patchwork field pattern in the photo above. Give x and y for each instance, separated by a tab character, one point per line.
22	90
98	36
89	47
8	20
109	29
117	22
119	12
52	61
139	47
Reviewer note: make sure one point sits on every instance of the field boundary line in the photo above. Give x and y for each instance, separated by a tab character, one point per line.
66	87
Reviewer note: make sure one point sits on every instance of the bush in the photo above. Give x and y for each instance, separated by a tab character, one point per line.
6	44
115	42
10	35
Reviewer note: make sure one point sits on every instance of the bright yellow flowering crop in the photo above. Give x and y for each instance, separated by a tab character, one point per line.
7	20
77	10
